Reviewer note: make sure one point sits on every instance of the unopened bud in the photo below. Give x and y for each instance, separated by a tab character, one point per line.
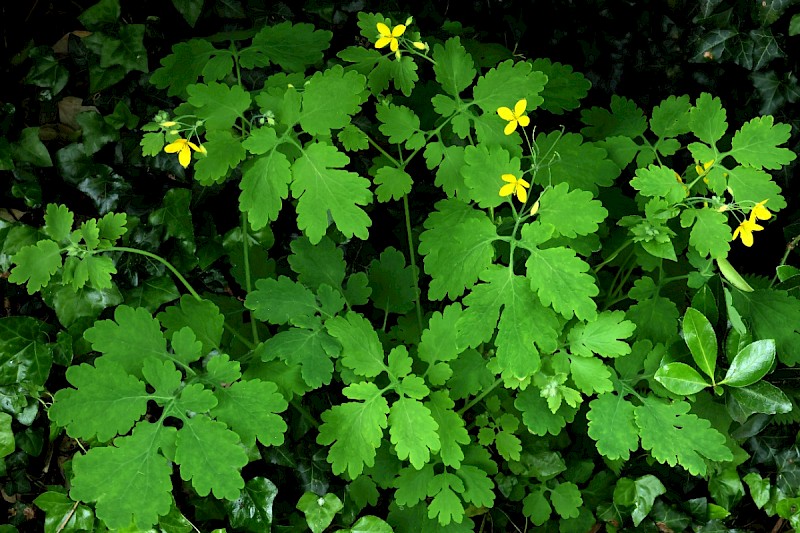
168	124
174	132
409	21
397	55
722	208
419	45
535	208
202	149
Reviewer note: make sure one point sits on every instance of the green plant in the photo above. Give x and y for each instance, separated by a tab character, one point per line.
535	372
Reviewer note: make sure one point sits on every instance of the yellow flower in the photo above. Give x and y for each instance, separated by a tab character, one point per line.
760	212
517	116
702	169
183	147
515	186
745	231
389	37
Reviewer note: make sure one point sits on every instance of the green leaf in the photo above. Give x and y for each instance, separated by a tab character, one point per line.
753	185
675	437
189	9
361	349
252	511
281	300
354	429
536	507
310	349
400	124
565	88
30	149
451	430
710	231
317	264
762	397
568	159
671	117
369	524
182	67
7	444
324	190
413	431
590	375
640	493
538	417
572	213
128	51
505	84
761	307
701	339
106	401
223	153
261	401
446	505
756	144
393	183
602	336
478	486
566	499
46	71
25	355
319	510
62	514
219	105
453	66
129	481
751	364
292	46
202	316
353	139
457	247
625	118
217	470
112	226
412	485
129	339
321	113
175	215
35	264
482	171
58	222
152	143
611	425
392	282
707	119
681	379
659	181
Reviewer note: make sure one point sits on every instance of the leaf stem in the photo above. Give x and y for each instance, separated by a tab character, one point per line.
413	260
611	257
247	276
480	397
789	247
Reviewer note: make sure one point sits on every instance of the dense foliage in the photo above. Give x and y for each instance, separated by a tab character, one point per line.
352	270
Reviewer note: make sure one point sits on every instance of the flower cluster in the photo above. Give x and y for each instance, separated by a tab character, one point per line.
181	146
391	37
749	225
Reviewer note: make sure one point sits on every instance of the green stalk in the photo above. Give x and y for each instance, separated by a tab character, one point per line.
247	278
413	260
480	397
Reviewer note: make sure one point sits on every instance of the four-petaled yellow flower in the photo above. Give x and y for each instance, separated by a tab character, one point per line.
517	116
389	37
515	186
745	231
760	212
183	147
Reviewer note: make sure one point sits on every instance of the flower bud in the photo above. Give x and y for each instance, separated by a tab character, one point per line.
168	124
397	55
409	21
535	208
419	45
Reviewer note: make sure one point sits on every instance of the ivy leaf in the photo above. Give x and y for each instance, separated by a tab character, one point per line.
211	457
640	494
354	429
392	282
129	481
62	514
321	187
393	183
219	105
35	264
281	300
625	118
674	436
451	430
453	66
261	401
25	355
58	221
482	171
565	88
457	247
369	524
319	510
264	185
753	185
129	339
566	499
321	113
602	336
572	213
413	431
756	144
570	160
106	401
590	375
252	510
710	231
681	379
611	425
202	316
707	119
292	46
361	349
507	83
659	181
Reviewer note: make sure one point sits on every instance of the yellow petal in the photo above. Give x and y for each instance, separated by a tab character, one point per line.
505	113
519	108
398	30
202	149
384	30
508	189
510	127
184	157
524	120
760	212
510	178
175	146
523	182
383	41
193	146
522	194
393	45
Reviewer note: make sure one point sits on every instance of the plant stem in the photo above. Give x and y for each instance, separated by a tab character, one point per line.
612	256
304	413
413	260
247	279
789	247
480	397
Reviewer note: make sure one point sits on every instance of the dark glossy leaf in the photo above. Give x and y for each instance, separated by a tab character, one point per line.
680	378
751	364
152	293
47	71
71	305
96	132
104	187
701	339
319	510
252	511
30	149
176	214
64	515
100	14
25	355
705	302
189	9
761	397
7	444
